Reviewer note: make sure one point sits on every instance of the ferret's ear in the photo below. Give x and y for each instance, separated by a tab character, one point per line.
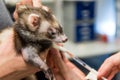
46	8
34	21
21	9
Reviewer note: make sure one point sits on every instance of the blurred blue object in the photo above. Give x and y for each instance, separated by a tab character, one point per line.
85	14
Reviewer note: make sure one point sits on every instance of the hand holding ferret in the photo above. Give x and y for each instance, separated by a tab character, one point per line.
65	70
12	65
22	66
35	31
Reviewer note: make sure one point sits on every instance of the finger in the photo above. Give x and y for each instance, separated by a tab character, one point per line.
65	68
49	60
27	2
59	62
37	3
78	73
15	15
23	2
66	61
55	55
61	65
112	74
105	69
58	76
62	54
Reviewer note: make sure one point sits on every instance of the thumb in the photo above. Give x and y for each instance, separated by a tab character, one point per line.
37	3
15	15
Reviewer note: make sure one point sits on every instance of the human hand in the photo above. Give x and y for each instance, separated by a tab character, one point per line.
110	67
34	3
12	65
62	68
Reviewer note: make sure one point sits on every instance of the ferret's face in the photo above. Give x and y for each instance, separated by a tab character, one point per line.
41	21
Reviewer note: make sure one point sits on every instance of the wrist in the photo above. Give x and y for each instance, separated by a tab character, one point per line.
19	64
7	67
11	65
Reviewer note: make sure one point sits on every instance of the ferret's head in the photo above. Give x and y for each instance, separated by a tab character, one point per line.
40	21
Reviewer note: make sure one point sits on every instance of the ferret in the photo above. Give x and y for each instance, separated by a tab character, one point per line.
35	31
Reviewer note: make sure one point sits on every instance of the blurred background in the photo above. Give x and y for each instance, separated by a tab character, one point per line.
92	26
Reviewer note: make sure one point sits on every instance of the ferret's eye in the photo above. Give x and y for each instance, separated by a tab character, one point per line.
53	33
26	12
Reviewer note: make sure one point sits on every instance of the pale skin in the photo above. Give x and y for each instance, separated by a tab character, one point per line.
12	66
34	3
110	67
65	70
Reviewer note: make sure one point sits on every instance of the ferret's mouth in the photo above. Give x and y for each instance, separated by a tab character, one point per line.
60	41
57	42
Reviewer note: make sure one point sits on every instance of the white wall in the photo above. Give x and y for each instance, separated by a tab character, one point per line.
106	18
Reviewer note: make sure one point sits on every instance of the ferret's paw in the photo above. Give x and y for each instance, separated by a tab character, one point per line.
49	75
29	53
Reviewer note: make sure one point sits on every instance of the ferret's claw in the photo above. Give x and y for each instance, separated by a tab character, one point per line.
49	75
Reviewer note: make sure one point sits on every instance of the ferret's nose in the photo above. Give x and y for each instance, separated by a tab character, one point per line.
66	39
